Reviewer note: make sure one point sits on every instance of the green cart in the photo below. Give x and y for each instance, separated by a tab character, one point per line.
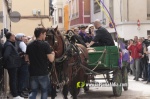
105	60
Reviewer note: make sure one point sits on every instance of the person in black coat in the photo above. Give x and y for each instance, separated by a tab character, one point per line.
12	62
102	37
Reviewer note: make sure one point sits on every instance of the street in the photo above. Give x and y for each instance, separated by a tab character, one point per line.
137	90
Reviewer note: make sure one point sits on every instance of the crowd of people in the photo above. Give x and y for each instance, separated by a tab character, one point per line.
94	35
27	64
139	49
18	54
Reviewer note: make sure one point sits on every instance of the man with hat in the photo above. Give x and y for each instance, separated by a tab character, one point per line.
23	70
102	37
82	32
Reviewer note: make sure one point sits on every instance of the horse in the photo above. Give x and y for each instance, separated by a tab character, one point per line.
67	71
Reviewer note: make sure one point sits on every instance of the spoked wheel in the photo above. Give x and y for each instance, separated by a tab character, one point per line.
117	82
125	78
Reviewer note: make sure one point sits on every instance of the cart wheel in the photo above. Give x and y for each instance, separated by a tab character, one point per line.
117	81
125	78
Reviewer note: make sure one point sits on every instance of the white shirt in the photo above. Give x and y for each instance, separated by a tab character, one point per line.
148	48
23	46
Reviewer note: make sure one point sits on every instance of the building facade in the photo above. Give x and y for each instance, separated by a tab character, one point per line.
4	14
5	23
58	15
125	14
32	14
71	13
79	12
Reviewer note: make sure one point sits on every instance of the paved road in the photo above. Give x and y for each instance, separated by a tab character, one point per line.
137	90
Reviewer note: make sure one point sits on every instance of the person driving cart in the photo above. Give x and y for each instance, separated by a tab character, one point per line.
102	37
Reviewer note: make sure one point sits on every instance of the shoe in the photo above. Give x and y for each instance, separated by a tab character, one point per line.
140	76
147	82
144	80
134	78
21	97
18	97
26	90
137	79
25	95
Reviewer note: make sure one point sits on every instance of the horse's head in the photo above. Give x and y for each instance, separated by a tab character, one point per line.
55	39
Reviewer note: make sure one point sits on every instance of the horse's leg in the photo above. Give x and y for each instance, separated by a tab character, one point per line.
53	92
74	91
65	91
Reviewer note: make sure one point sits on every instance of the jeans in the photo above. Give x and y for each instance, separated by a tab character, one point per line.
13	81
42	82
148	72
22	77
135	67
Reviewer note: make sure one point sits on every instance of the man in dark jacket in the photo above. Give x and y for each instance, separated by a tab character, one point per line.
82	32
12	62
102	37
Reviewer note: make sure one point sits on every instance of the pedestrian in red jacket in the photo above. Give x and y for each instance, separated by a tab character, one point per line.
135	49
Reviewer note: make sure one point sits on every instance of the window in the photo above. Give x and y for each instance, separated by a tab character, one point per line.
60	15
148	9
96	7
74	8
148	33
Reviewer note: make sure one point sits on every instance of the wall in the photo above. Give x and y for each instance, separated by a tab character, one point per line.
138	10
58	4
96	15
1	24
78	21
25	7
129	30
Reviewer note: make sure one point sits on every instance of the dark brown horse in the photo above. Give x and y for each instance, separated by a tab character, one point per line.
67	71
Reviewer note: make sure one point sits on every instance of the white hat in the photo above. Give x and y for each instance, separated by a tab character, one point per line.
91	25
19	35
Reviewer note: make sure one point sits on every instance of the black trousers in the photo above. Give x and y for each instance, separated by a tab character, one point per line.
143	68
13	81
1	79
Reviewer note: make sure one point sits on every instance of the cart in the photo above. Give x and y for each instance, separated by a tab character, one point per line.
105	60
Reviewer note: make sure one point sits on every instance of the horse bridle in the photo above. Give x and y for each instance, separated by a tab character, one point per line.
55	41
